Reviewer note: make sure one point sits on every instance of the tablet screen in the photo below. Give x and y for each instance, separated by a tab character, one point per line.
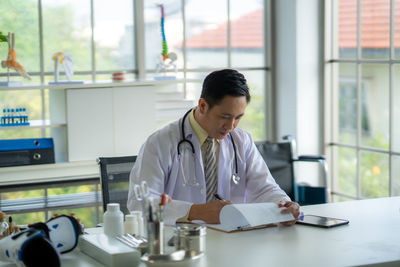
321	221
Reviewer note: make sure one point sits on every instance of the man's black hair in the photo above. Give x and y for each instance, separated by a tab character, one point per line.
221	83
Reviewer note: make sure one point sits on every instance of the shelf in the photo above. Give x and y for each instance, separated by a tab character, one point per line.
48	172
35	124
96	84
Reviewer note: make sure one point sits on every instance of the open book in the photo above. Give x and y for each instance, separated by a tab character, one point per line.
247	216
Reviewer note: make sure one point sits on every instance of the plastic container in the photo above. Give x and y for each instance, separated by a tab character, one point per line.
139	217
113	220
131	225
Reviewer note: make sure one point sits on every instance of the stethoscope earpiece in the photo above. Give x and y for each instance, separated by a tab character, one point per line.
235	178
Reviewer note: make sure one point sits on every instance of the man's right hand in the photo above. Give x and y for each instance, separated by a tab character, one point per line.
208	212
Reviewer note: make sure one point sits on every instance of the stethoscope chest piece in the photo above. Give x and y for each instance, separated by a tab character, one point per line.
235	178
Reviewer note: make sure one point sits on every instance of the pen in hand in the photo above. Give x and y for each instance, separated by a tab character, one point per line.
218	197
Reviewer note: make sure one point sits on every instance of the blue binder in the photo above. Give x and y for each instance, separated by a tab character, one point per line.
16	152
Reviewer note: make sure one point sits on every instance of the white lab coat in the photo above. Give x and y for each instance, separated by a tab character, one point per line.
158	163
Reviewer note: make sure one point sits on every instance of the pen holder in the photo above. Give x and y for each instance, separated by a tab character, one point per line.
155	238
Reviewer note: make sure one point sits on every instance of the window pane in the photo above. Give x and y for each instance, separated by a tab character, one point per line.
22	194
254	119
347	103
375	106
193	90
336	198
66	28
347	176
206	34
247	33
87	216
374	175
397	28
13	76
70	190
395	175
22	218
30	100
21	17
375	28
20	133
28	218
113	35
347	28
396	110
173	29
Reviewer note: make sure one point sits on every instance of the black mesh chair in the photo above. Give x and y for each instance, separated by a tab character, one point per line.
280	158
114	176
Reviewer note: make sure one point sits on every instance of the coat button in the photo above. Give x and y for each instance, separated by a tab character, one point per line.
202	191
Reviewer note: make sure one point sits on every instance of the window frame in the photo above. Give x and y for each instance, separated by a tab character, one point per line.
332	61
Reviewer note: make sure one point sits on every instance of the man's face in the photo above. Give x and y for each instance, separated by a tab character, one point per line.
221	119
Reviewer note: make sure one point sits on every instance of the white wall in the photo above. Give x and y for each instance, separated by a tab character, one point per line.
298	76
298	72
285	75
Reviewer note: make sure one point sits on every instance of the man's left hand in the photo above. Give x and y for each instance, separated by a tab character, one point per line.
290	207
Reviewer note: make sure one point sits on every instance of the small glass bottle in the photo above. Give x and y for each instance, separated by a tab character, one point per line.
9	116
113	220
24	115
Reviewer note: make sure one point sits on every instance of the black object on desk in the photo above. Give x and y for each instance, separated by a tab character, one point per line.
321	221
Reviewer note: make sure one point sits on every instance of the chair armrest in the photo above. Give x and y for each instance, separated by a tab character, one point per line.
311	158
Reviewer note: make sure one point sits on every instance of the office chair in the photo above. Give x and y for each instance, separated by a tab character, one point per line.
280	158
114	176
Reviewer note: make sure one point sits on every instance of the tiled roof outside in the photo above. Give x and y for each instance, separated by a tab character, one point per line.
375	23
247	31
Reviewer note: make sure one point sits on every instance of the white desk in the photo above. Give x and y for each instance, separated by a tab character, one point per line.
371	238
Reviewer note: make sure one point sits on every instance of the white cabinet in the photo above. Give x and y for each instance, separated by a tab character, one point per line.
104	119
112	121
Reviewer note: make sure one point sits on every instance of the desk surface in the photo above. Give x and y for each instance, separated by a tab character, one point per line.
372	237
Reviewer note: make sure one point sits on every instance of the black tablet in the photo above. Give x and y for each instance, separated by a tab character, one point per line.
321	221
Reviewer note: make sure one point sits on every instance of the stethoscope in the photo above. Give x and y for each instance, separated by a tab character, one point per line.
235	176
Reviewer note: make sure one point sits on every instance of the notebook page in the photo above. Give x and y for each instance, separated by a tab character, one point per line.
260	213
237	216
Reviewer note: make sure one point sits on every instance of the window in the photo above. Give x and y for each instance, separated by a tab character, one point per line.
100	38
39	202
229	35
364	98
97	35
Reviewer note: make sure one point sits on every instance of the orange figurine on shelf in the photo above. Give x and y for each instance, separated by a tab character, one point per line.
11	61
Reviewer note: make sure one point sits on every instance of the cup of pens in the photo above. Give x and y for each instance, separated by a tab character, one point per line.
155	226
155	239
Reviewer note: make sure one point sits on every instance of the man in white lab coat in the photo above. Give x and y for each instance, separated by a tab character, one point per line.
204	153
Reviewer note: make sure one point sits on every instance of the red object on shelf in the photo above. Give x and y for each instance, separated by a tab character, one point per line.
118	76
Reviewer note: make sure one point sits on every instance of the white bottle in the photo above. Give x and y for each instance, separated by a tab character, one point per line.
113	220
139	218
131	225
